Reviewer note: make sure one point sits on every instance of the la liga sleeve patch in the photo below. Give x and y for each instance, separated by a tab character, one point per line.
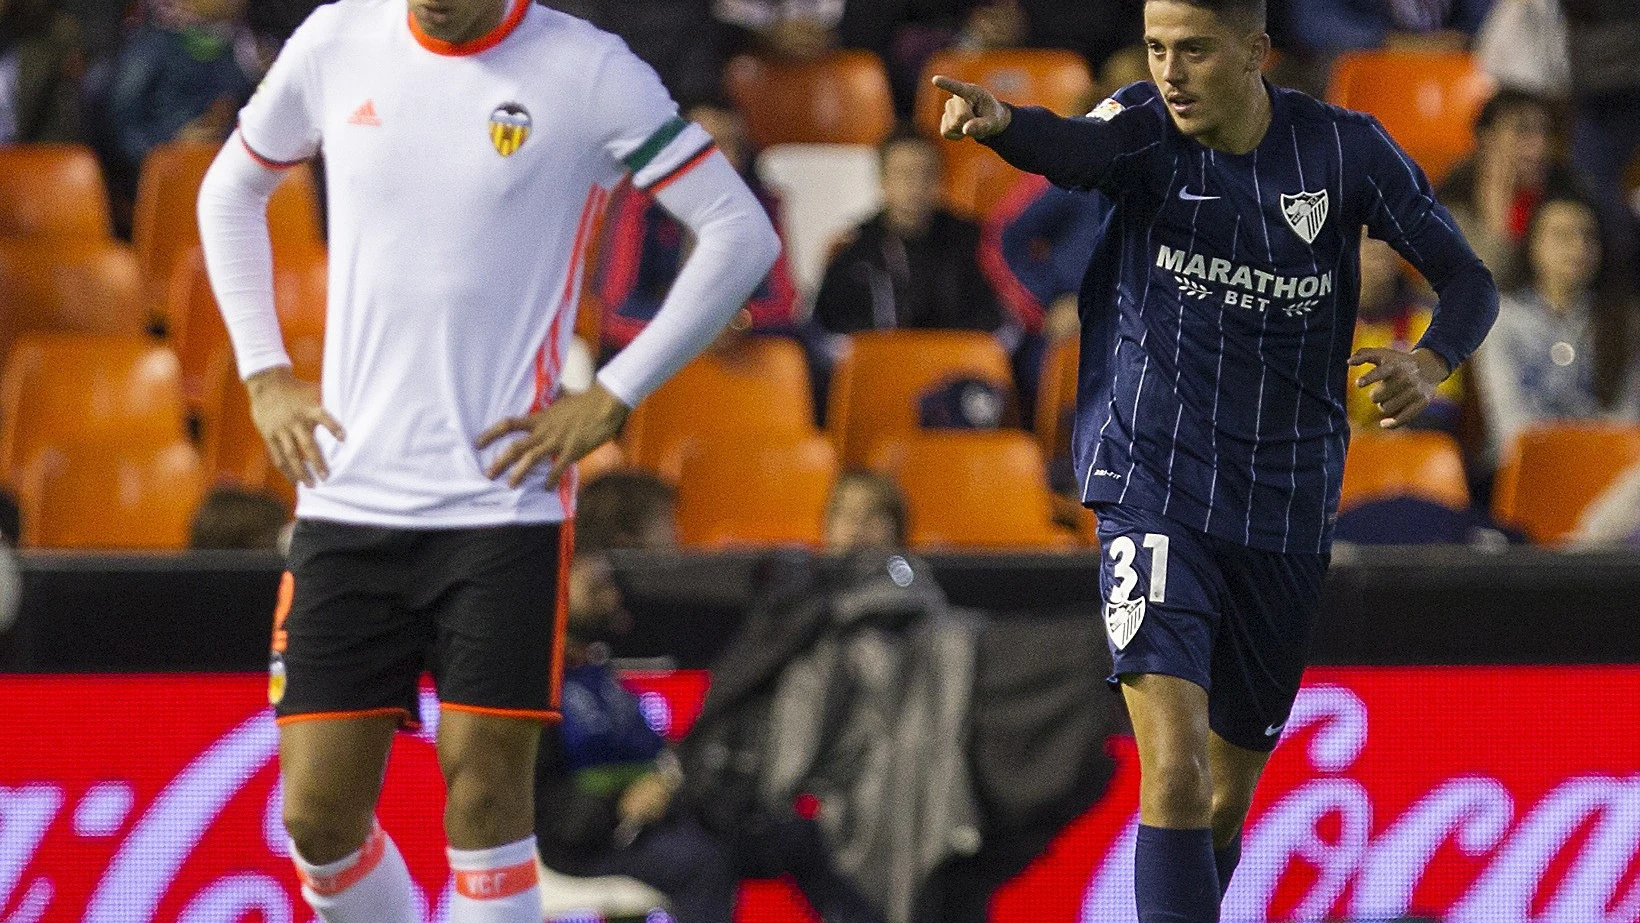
1107	110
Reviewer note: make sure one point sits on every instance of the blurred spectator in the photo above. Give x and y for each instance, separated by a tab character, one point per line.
645	247
866	512
798	29
1036	248
41	62
678	38
1518	161
606	781
1561	347
626	509
235	518
1522	45
1392	316
1605	58
182	75
1350	25
914	264
1614	517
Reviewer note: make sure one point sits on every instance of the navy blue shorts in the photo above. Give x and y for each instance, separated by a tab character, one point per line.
1234	620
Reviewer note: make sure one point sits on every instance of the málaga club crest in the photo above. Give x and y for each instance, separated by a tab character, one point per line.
1306	213
509	128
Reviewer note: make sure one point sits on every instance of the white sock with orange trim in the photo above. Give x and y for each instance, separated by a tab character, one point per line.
370	886
495	885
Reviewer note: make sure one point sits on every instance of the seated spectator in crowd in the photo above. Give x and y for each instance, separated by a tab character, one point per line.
1350	25
1518	161
182	75
644	248
1392	316
232	518
914	264
1604	38
625	510
678	38
1561	348
40	66
606	780
866	512
1036	248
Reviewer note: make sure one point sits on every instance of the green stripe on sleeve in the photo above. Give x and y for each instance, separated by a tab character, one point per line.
657	142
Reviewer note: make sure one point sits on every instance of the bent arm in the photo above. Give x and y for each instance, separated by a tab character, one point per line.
735	247
233	228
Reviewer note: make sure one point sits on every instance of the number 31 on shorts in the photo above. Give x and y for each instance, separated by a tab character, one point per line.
1122	554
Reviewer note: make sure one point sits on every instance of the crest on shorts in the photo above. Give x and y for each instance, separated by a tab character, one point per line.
1107	110
509	128
1306	213
1122	620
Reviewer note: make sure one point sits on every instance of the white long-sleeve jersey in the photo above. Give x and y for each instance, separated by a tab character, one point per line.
464	182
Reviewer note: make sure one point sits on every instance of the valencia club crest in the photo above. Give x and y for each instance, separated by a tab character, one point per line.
509	128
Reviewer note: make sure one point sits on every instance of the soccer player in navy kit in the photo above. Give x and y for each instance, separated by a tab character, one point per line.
1217	316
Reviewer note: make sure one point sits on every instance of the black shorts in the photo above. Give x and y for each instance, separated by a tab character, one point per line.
1234	620
364	610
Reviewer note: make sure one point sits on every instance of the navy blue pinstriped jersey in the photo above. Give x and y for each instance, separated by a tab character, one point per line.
1219	309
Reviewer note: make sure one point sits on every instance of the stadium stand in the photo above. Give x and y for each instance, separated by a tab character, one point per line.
1423	464
1427	101
1056	397
1553	472
841	98
825	190
52	190
81	286
759	387
876	387
975	491
755	491
111	494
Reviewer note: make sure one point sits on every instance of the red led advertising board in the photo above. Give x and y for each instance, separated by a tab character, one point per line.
1474	795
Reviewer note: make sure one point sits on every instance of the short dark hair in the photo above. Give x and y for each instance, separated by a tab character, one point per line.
613	510
906	134
1509	100
1252	13
235	518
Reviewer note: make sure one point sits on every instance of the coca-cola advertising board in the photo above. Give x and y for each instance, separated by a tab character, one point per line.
1475	795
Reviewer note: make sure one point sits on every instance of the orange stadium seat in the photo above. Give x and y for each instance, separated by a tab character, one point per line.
1427	100
52	190
97	495
198	333
842	98
90	286
1552	473
975	177
164	223
761	386
756	491
876	387
60	388
1056	396
1422	464
232	447
978	490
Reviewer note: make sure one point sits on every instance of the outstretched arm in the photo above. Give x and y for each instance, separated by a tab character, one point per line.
1081	153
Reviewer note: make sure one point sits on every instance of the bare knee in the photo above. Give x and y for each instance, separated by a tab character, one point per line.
324	828
490	780
1177	792
1229	813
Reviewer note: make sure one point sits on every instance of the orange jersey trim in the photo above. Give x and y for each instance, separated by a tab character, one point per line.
268	162
493	884
407	720
675	175
483	43
370	856
532	714
281	611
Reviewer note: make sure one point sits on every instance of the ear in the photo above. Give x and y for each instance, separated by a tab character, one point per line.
1259	52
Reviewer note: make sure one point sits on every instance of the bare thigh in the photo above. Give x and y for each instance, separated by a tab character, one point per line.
331	773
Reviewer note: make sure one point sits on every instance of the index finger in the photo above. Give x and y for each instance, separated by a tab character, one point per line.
968	91
1372	354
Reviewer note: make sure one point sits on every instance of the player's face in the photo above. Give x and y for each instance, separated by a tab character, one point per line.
1565	246
458	20
1206	65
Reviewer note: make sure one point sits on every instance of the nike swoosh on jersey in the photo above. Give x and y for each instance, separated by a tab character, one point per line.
1189	196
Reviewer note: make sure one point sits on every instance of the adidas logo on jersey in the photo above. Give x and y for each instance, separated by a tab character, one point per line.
365	115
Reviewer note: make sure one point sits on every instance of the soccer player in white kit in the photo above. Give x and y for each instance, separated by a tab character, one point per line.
469	147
